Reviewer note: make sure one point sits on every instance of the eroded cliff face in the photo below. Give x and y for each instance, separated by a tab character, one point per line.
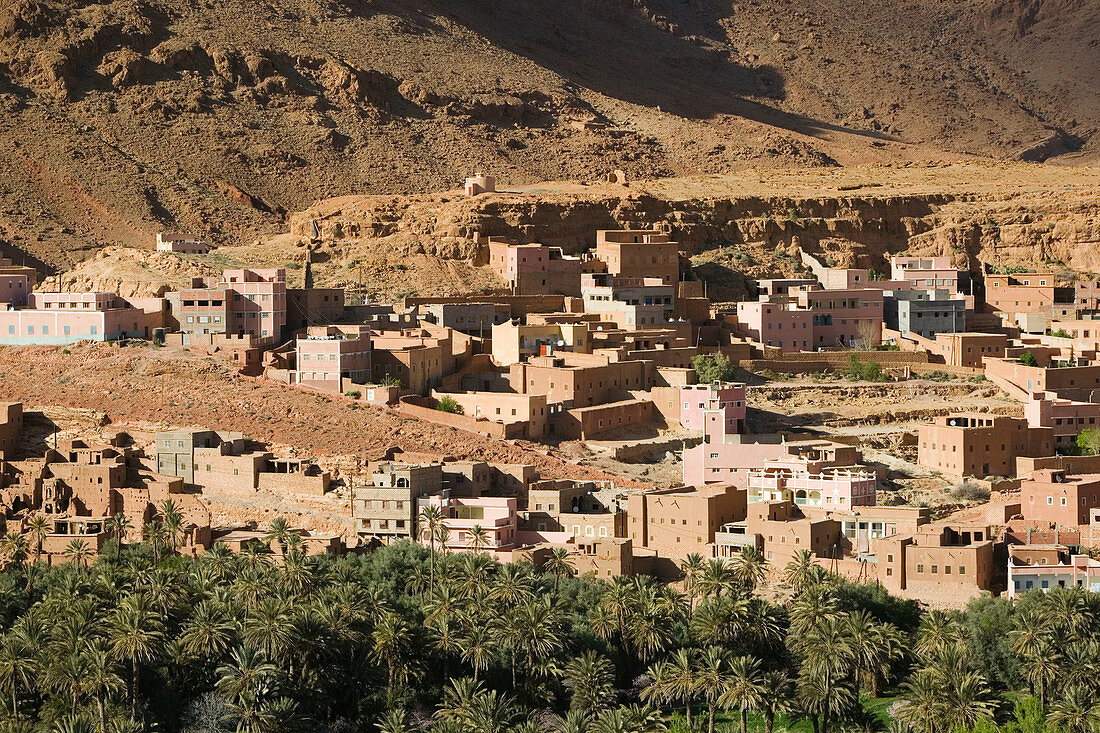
733	228
852	230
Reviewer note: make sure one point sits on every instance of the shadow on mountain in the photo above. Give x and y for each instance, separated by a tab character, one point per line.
616	50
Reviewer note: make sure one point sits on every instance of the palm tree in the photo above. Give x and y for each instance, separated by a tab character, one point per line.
1043	669
710	680
750	567
937	634
38	527
79	553
172	521
716	577
921	701
965	700
209	633
478	537
477	647
692	567
102	680
270	628
744	688
255	555
633	719
68	675
799	572
19	665
776	693
511	586
393	639
279	532
136	635
14	548
120	526
559	564
650	628
157	536
828	657
876	647
574	721
443	536
245	674
430	520
720	620
591	680
1076	711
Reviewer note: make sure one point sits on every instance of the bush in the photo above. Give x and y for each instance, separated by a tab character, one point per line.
1088	442
711	368
872	372
970	491
1028	359
391	382
448	404
855	369
352	393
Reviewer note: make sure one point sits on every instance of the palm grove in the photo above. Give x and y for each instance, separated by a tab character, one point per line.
408	639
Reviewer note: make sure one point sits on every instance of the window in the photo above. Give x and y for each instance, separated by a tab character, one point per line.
920	568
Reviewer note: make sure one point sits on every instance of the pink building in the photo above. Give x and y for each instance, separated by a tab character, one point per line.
328	356
479	184
809	483
639	253
1042	567
926	273
777	324
725	398
495	516
628	302
728	458
65	318
181	244
843	318
535	269
782	286
1067	418
258	303
14	290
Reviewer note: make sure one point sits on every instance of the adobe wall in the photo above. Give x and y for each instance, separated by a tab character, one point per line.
587	422
412	406
293	483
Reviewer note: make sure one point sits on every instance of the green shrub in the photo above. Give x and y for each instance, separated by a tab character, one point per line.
1088	442
855	369
872	372
352	393
711	368
1028	359
449	404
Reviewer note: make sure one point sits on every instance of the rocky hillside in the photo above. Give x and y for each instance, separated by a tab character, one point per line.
749	224
124	117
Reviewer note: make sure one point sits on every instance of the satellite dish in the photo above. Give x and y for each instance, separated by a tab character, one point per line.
561	343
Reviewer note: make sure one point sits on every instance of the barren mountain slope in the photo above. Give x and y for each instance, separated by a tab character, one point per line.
125	117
